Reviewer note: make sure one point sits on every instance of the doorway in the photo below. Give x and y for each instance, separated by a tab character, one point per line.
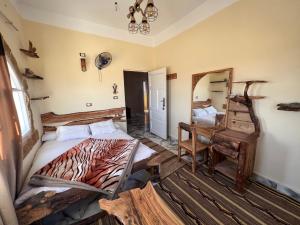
136	89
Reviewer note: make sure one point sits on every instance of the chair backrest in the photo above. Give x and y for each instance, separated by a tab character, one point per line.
189	128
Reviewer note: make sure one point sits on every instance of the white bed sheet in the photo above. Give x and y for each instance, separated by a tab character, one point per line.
52	149
208	120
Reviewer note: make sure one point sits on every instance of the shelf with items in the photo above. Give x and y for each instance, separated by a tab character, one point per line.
31	51
39	98
31	75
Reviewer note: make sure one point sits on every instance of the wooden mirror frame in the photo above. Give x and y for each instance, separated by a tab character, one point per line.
196	77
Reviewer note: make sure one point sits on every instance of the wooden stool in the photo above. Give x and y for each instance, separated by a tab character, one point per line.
192	146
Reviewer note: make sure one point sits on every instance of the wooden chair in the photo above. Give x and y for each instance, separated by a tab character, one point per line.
192	145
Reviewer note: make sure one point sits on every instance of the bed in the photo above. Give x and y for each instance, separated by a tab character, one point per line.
207	116
51	149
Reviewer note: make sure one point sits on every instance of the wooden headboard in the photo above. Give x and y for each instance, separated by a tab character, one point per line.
51	121
201	104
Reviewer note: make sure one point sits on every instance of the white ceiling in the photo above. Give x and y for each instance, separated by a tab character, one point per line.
100	17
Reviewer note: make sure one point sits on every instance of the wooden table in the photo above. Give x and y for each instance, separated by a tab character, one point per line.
140	207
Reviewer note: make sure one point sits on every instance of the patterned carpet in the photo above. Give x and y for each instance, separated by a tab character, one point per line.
206	199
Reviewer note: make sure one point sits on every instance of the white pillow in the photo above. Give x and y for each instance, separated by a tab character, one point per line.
211	110
104	127
49	136
72	132
200	112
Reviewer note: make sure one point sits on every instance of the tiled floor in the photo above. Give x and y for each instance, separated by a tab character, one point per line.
137	128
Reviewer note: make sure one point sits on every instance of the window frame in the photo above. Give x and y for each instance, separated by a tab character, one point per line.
23	96
32	136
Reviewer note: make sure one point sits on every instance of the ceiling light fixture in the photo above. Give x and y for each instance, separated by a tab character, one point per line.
150	14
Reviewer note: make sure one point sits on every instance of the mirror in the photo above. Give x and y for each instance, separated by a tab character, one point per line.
209	97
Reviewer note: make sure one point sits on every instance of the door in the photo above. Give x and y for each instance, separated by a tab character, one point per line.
158	102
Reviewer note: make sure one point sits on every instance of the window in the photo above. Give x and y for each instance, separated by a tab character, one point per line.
19	96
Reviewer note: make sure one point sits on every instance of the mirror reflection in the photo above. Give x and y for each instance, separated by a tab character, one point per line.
209	99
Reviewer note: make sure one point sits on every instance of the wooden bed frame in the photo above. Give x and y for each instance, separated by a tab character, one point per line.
44	204
51	120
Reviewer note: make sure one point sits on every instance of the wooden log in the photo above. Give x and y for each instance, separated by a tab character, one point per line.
46	203
295	107
54	118
140	207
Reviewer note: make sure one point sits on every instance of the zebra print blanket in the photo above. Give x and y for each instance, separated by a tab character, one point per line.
94	164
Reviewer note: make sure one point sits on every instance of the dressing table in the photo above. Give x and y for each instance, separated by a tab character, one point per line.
209	103
233	149
228	123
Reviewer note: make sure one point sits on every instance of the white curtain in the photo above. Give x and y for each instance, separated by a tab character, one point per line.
10	146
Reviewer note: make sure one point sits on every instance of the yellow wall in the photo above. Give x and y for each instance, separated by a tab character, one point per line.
70	88
260	40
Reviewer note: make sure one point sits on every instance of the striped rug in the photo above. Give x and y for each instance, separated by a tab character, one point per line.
205	199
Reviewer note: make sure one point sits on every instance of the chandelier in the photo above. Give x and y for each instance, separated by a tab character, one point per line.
148	15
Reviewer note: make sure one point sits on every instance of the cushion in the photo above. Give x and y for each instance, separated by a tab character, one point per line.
200	112
103	127
49	136
211	110
72	132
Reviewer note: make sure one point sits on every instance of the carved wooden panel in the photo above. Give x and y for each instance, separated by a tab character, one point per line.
239	116
243	126
237	107
239	119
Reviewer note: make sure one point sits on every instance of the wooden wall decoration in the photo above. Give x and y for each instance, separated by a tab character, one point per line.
31	51
172	76
51	120
295	106
31	75
244	106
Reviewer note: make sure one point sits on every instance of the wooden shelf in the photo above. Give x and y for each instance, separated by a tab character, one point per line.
254	97
30	75
29	53
292	107
252	81
228	168
39	98
218	81
257	97
34	77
